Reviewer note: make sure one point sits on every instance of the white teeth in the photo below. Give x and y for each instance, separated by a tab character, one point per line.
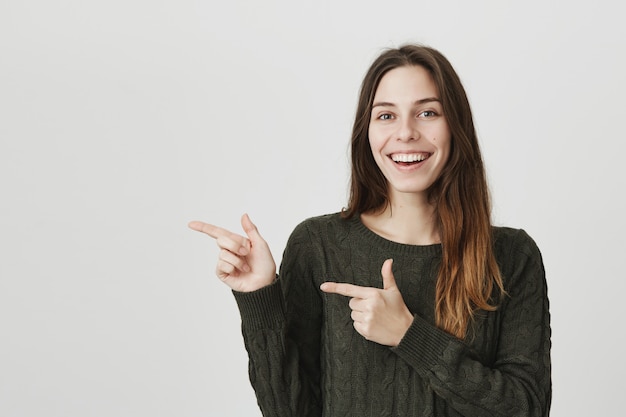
413	157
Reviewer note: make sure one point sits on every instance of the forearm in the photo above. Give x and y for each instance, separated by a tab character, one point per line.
283	384
469	386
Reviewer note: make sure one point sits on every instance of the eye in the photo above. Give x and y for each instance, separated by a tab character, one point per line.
385	116
427	114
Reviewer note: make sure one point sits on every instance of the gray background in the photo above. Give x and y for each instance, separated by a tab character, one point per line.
122	120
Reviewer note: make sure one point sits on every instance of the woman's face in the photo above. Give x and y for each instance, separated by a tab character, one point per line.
408	132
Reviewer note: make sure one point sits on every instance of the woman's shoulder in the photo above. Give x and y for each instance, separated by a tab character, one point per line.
324	221
324	226
514	244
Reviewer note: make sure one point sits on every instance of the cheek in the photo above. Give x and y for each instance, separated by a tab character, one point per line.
443	141
446	143
371	140
374	138
376	151
375	148
370	135
446	152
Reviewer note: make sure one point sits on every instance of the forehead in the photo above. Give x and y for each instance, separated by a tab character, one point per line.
407	82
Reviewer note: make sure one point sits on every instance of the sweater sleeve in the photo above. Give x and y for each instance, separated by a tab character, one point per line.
518	382
281	329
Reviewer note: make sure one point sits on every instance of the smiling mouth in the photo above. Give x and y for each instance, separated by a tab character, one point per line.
409	158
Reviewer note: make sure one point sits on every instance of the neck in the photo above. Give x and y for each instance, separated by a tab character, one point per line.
408	219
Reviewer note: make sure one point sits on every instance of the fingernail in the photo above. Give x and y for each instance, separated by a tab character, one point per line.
246	268
243	251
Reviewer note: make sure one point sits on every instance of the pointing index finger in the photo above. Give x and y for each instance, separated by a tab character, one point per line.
219	233
348	290
208	229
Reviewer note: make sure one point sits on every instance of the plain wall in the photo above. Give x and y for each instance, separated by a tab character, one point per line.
120	121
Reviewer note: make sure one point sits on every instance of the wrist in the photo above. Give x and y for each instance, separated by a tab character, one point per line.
407	323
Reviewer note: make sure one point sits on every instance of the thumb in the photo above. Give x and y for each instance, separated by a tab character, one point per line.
389	282
250	229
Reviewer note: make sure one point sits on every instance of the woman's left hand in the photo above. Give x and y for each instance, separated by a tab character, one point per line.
379	315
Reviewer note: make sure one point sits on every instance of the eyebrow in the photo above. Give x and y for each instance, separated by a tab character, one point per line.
421	101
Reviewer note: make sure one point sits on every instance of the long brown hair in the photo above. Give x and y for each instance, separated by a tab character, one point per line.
469	278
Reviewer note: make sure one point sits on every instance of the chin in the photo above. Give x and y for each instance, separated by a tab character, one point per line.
407	189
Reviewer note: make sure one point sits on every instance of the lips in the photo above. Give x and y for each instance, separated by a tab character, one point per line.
409	158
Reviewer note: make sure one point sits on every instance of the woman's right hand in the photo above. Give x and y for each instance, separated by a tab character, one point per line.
244	264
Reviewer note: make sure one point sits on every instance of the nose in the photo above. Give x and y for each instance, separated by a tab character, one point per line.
407	130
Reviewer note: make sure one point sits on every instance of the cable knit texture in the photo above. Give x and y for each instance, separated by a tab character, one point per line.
307	360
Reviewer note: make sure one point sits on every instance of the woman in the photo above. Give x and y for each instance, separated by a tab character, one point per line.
456	325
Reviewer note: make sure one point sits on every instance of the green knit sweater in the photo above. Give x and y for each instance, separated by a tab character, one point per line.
307	360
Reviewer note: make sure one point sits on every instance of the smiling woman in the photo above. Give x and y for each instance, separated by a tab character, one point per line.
447	315
408	132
